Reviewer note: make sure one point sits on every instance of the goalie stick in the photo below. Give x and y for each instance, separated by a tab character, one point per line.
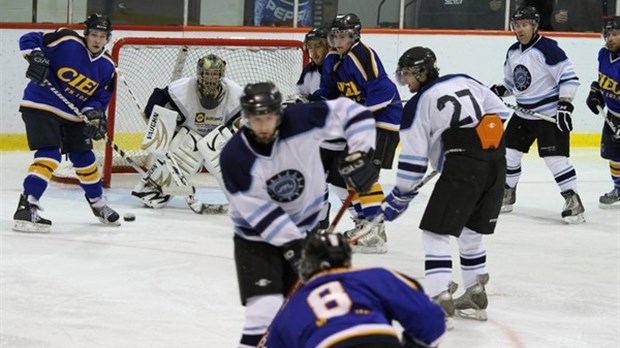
193	203
531	113
379	218
345	204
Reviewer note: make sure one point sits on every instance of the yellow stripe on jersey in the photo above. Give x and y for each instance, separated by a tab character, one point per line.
43	167
88	175
359	65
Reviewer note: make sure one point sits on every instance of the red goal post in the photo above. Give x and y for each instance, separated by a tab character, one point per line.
145	63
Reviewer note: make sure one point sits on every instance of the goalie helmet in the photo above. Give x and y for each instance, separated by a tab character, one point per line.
418	60
209	74
523	13
260	98
98	21
323	251
349	23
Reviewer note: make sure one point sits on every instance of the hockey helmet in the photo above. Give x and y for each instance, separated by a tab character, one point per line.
260	98
209	73
418	60
523	13
316	33
348	23
324	251
612	23
98	21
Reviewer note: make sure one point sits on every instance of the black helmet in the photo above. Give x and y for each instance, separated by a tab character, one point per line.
260	98
324	251
98	21
418	60
527	12
349	22
612	23
316	33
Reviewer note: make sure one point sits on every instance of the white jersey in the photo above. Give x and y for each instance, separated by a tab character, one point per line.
276	191
538	75
184	93
309	81
451	101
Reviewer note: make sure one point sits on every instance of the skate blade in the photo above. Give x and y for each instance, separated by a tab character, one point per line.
31	227
375	249
614	205
110	223
505	209
575	219
474	314
215	208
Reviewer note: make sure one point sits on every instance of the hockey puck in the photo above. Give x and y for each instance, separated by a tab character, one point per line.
129	217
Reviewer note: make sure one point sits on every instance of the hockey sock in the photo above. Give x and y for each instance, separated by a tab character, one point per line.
513	167
473	255
259	312
614	169
40	172
563	173
437	262
87	172
370	201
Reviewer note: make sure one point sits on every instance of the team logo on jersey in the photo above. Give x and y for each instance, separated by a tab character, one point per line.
286	186
200	117
522	77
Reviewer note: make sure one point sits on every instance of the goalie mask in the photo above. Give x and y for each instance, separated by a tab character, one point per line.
98	22
417	60
323	251
210	71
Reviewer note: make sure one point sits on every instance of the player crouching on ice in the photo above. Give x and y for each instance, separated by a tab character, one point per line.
190	121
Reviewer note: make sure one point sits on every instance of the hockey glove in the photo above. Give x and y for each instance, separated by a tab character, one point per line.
315	98
360	171
292	253
562	118
396	203
97	124
499	90
38	67
595	98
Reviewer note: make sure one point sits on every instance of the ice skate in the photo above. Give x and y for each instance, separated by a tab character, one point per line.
573	210
27	219
610	200
473	303
372	242
150	196
445	301
103	212
510	197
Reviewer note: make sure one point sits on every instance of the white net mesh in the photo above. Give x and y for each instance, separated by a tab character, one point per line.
147	63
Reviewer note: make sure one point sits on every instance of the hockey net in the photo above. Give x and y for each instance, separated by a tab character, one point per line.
147	63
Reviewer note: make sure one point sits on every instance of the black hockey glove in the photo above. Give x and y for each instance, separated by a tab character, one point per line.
315	98
97	124
360	171
292	253
562	118
38	67
499	90
595	98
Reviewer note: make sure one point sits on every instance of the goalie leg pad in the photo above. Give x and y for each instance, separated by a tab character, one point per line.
184	151
159	131
150	195
210	148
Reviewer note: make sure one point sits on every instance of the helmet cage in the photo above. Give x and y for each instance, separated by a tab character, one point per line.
209	74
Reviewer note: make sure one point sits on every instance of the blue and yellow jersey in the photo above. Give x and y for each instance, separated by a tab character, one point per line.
86	81
359	75
608	79
356	306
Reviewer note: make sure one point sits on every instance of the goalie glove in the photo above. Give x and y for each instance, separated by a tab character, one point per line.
396	203
38	67
97	125
563	116
360	171
595	98
291	252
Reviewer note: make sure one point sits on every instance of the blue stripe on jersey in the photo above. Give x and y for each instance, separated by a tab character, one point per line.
412	167
545	101
550	50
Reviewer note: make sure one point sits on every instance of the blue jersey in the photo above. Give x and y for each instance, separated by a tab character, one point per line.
609	79
276	191
86	81
359	75
356	306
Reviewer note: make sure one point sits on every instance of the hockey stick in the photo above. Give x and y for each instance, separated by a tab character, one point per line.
531	113
615	130
120	151
345	204
379	218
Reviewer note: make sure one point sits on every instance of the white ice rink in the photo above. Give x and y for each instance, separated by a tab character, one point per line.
168	279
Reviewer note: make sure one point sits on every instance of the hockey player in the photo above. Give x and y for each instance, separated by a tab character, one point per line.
341	306
205	110
316	44
455	123
273	174
541	78
605	93
358	74
83	71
